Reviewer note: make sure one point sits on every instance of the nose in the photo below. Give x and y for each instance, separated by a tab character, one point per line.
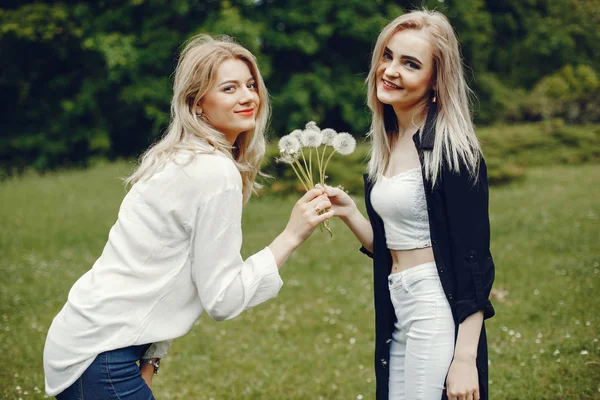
392	71
247	95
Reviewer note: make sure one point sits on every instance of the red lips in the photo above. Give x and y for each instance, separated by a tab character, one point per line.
247	112
385	83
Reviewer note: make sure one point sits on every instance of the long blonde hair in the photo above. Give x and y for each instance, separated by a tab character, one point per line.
194	76
455	139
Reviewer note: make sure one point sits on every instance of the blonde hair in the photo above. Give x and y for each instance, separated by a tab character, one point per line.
455	138
194	76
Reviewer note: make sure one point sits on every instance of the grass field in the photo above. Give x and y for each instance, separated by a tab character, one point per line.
315	340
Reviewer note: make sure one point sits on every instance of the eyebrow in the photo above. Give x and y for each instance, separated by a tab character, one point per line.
236	82
404	56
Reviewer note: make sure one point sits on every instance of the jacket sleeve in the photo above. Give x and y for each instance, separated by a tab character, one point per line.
366	252
469	231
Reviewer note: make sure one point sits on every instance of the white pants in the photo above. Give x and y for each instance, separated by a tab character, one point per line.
423	340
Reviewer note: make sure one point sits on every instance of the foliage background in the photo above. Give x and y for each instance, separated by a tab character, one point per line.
83	82
88	80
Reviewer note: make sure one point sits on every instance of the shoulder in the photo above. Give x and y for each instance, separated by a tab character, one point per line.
471	170
213	171
194	176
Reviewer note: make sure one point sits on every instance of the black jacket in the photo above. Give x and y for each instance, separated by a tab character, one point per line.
460	237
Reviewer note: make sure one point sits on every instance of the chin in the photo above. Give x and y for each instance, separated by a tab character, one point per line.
384	98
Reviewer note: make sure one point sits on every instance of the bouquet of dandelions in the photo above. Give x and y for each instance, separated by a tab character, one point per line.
293	149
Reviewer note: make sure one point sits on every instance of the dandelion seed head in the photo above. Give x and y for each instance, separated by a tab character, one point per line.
584	352
328	136
289	145
286	158
297	133
311	138
312	125
344	143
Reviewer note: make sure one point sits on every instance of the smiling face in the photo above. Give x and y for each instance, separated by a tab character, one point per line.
231	104
405	71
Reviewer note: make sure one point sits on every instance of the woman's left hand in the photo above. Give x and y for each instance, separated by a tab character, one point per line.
463	380
147	372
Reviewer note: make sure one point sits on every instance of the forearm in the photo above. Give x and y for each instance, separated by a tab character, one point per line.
361	227
283	246
468	336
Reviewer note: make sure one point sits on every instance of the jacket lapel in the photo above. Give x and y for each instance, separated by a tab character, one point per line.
425	140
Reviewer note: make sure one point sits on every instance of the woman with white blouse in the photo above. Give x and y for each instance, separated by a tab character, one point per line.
174	251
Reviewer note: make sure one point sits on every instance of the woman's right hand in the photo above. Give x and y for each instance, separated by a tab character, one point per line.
341	202
305	216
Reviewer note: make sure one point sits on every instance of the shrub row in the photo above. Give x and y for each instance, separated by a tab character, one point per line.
508	150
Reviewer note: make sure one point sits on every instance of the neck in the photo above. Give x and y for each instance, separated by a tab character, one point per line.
410	119
231	138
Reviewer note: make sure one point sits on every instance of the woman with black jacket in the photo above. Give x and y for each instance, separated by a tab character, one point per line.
428	229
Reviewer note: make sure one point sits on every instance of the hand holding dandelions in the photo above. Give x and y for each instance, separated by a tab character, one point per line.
295	146
306	215
341	202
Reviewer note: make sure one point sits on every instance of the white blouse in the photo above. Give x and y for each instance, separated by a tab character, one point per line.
173	253
401	204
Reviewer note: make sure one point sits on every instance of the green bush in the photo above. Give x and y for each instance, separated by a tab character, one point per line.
508	149
346	171
497	102
573	93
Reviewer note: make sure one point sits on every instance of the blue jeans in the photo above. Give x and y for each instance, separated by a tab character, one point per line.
113	375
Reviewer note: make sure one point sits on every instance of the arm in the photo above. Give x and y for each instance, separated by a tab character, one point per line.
463	378
346	209
155	352
227	284
469	225
468	220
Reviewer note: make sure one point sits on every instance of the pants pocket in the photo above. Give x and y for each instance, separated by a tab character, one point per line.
425	287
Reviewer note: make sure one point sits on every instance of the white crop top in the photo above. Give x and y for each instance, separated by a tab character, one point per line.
400	202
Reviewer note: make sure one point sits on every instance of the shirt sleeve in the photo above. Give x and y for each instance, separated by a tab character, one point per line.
158	350
469	224
226	284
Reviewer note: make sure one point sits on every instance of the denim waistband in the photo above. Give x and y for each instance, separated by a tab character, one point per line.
418	271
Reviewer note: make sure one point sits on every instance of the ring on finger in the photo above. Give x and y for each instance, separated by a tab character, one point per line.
317	209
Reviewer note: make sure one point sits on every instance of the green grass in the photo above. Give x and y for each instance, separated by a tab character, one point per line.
315	339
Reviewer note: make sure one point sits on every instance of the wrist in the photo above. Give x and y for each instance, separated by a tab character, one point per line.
354	212
150	364
290	240
465	355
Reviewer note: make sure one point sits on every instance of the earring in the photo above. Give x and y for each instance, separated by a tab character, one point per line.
434	97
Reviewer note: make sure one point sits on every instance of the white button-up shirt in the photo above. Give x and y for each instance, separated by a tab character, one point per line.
173	253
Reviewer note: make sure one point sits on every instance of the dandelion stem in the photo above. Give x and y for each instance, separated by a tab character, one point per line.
299	178
301	169
310	164
306	169
319	165
322	166
329	158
